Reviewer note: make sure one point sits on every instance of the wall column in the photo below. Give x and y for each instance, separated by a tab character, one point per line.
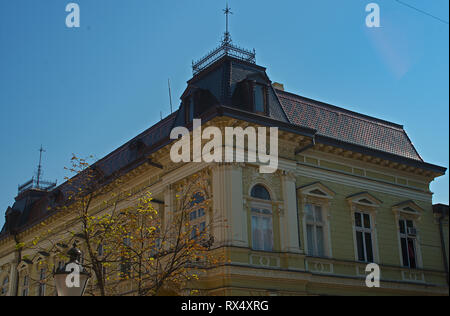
229	216
289	233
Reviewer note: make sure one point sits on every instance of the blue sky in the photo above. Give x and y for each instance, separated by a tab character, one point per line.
89	90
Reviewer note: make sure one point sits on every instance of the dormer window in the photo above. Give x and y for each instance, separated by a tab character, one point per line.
260	99
190	109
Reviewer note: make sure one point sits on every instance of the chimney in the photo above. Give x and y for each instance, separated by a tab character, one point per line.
278	86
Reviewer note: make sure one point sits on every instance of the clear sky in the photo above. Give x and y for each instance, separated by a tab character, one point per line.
89	90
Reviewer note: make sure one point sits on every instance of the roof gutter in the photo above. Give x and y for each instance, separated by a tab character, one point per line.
313	143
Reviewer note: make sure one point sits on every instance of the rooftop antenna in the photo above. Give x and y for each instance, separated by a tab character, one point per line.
170	95
227	11
39	171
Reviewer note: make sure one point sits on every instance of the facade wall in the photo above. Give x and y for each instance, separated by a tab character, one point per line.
289	269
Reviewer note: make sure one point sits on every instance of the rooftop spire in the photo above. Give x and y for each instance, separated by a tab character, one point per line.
227	38
226	48
39	170
38	183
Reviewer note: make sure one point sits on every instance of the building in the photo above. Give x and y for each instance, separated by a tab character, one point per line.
350	189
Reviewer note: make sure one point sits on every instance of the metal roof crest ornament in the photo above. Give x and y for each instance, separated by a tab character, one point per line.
226	48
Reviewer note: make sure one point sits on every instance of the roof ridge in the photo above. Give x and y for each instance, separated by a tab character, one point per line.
329	107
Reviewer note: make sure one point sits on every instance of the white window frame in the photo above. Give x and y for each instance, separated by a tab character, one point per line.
41	284
26	285
197	222
364	230
409	210
317	194
368	204
407	236
262	205
315	224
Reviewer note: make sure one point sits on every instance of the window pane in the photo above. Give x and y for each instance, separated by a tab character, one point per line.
320	246
201	212
194	232
402	227
196	199
318	213
191	109
412	253
260	192
193	215
404	252
202	226
310	236
259	98
358	221
267	235
309	213
256	233
367	221
369	250
360	245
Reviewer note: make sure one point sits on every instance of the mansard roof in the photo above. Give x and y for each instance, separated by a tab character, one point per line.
347	126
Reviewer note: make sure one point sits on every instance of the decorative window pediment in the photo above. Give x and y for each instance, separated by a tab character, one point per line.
317	189
365	199
408	209
23	266
315	211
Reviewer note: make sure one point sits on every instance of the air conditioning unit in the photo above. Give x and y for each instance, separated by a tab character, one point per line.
412	231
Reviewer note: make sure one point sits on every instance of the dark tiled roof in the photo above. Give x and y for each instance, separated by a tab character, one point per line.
347	126
124	155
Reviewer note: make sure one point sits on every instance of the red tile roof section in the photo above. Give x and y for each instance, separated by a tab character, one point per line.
347	126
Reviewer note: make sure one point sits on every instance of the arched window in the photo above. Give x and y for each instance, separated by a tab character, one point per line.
260	192
197	215
262	222
5	286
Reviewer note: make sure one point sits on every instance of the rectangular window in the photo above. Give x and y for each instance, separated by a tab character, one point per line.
363	233
41	289
408	243
198	222
262	229
259	97
191	108
315	230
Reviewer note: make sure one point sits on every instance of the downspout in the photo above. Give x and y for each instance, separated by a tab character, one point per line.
444	253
